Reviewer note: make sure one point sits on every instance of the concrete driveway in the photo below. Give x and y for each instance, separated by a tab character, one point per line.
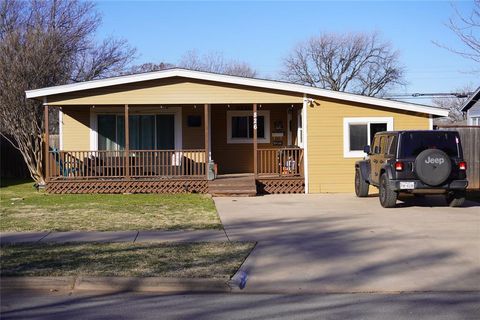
340	243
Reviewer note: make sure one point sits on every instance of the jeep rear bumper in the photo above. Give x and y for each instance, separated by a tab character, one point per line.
419	185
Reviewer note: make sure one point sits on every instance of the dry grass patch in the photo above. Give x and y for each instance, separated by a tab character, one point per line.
189	260
22	208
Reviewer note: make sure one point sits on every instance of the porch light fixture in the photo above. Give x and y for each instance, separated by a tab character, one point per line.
194	106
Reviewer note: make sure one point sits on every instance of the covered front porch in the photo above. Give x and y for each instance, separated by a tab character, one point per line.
172	148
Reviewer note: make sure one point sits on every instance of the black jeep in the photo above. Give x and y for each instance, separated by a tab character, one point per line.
418	162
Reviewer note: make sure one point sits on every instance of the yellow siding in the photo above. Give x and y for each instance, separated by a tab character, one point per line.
328	170
76	129
175	91
193	137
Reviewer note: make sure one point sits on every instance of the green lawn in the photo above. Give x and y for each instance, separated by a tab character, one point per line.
192	260
22	208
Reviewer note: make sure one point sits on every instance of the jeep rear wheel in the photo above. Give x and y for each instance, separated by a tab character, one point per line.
455	199
388	197
361	186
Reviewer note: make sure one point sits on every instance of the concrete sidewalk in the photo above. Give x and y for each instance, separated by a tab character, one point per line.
114	236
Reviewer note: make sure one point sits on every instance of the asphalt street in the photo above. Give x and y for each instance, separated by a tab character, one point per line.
61	305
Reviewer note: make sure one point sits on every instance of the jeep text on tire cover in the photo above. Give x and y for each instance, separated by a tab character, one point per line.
434	160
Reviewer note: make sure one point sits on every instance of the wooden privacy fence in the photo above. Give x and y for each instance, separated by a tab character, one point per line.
280	162
470	136
116	164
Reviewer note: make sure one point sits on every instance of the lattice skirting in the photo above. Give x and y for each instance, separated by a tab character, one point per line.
291	185
132	186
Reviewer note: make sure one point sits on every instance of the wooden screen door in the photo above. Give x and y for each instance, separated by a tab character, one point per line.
165	132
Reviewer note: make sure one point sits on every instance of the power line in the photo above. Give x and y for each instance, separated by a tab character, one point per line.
430	95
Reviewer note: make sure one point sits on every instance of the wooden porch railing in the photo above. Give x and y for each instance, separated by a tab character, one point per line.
280	162
141	164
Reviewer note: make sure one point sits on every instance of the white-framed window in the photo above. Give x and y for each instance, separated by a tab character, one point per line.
240	126
359	132
475	121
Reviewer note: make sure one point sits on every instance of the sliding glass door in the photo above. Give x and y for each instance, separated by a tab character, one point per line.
165	131
146	132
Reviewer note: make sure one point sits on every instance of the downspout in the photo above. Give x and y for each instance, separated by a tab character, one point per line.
60	128
305	141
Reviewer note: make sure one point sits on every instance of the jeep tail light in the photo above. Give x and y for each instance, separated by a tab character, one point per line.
462	165
399	166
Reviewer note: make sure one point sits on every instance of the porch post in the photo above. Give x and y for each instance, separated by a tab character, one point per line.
127	144
255	126
46	144
207	129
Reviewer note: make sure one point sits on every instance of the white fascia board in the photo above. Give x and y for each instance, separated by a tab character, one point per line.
259	83
466	105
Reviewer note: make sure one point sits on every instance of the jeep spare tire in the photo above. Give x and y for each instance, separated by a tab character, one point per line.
433	166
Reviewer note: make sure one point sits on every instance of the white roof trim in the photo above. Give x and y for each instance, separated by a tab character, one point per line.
259	83
469	102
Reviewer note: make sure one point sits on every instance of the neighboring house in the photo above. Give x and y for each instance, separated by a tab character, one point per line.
472	108
288	137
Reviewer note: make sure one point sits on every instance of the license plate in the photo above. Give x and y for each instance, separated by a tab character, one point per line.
407	185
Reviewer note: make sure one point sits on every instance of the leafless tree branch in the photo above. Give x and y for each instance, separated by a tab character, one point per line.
358	63
46	43
216	62
467	29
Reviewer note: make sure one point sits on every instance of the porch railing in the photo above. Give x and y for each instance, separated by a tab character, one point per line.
280	162
138	164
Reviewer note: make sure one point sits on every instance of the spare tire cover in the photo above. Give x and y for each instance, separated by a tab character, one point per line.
433	166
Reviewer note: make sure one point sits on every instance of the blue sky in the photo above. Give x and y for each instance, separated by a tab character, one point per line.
262	33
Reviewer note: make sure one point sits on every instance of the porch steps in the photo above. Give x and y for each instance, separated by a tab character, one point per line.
233	186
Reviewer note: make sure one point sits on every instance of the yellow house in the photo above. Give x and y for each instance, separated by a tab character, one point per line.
190	131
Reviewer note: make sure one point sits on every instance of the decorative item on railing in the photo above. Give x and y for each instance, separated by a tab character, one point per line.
280	162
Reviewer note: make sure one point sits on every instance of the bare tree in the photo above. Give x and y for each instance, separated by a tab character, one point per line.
216	62
467	29
454	104
358	63
148	67
46	43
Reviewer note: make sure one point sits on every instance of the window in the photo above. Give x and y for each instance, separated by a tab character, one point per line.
146	132
412	143
475	121
392	145
240	127
194	121
359	132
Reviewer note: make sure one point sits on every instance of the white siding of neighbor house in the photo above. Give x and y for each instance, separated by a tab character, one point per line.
473	112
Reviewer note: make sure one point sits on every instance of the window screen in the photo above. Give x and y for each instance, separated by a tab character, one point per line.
358	136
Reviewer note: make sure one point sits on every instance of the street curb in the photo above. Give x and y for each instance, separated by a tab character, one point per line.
115	284
37	283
